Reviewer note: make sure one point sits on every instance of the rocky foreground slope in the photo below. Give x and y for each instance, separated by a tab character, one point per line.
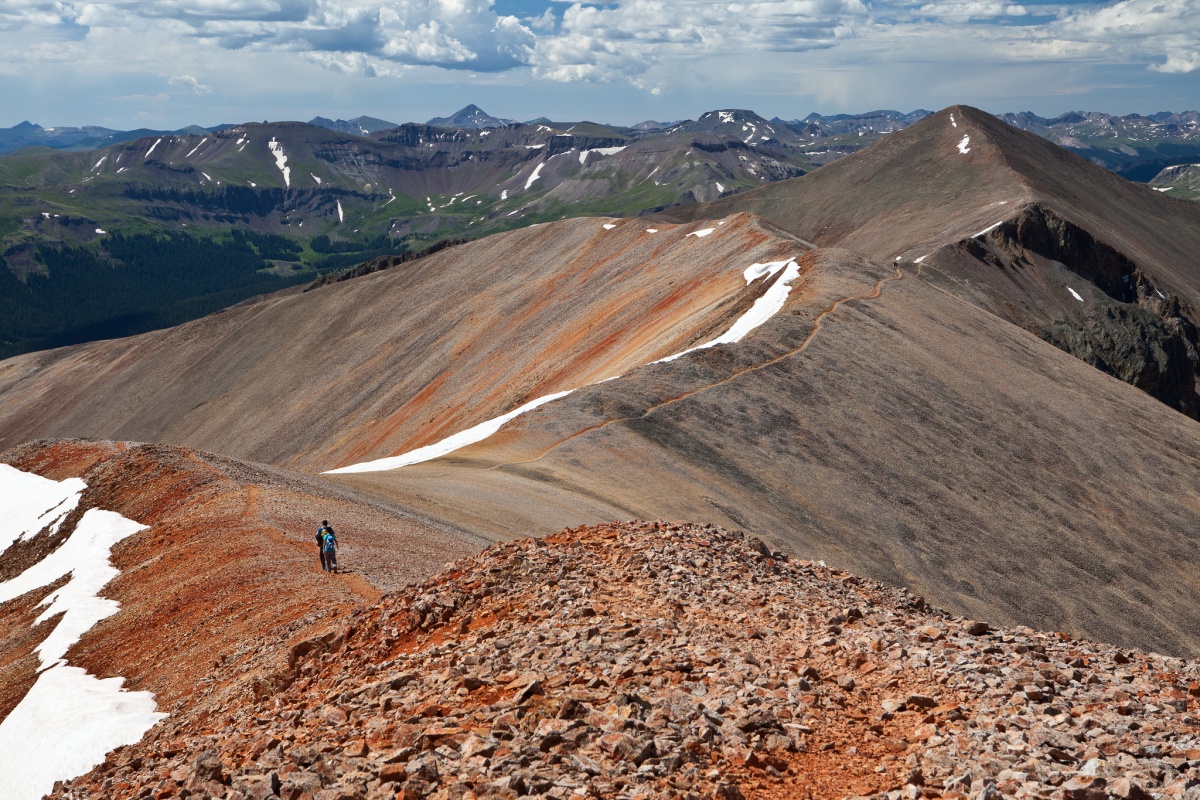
673	660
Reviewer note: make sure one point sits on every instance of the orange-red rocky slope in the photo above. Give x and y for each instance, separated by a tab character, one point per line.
673	660
226	570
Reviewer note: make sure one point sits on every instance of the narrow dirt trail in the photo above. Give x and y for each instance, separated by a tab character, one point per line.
818	323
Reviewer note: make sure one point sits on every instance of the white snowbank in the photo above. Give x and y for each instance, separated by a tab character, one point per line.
952	122
451	443
65	726
69	719
206	175
720	188
504	195
651	230
535	146
341	216
98	163
315	178
988	229
281	161
608	226
537	173
700	234
962	146
30	502
197	147
604	151
1075	294
101	231
151	150
763	309
922	258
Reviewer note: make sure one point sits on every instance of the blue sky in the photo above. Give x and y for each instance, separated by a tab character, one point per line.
126	64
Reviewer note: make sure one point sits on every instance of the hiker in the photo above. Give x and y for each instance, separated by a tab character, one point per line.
321	542
329	549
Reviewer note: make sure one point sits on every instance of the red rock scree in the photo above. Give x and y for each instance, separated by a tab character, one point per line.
678	661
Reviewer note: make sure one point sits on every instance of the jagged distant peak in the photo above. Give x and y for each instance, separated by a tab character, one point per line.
469	116
731	115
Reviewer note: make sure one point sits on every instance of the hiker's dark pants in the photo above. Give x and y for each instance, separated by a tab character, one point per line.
321	550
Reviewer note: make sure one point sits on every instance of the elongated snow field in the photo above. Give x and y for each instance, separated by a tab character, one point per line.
69	719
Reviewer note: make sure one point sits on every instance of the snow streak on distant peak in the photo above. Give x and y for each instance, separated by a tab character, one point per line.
604	151
280	161
962	146
537	173
69	720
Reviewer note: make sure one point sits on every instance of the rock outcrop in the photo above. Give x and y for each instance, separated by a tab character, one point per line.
673	660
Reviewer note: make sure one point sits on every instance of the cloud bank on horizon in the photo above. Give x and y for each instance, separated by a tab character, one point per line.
832	51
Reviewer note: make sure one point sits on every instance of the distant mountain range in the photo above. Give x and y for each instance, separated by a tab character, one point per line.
1135	146
285	202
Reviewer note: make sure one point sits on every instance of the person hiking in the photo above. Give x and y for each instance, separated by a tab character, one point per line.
321	542
329	549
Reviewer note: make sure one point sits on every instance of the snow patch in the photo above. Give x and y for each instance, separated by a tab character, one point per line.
315	178
537	173
1163	188
341	215
451	443
651	230
726	116
608	226
98	163
206	175
701	233
962	146
988	229
151	150
952	122
922	258
720	188
101	231
1160	294
197	147
69	720
1075	294
604	151
763	309
535	146
504	195
29	503
276	149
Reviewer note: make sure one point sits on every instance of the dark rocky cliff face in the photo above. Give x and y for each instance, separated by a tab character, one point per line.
1133	329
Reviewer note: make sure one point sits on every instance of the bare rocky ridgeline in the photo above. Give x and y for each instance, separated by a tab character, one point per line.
675	660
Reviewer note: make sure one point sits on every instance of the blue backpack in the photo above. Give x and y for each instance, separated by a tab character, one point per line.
329	542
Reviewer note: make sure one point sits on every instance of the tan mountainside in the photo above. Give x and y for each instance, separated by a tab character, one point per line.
884	425
228	563
399	359
1102	267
